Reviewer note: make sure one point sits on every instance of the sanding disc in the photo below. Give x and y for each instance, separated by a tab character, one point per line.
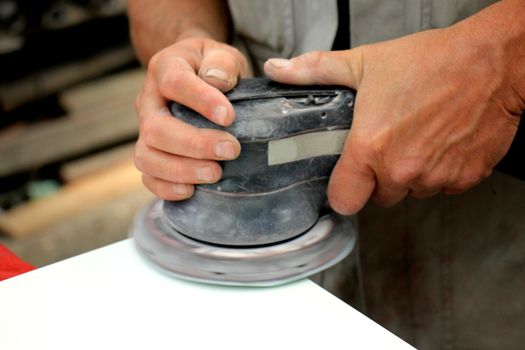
330	240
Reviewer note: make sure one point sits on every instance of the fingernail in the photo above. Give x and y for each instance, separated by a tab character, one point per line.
180	189
225	149
220	115
217	74
279	62
205	174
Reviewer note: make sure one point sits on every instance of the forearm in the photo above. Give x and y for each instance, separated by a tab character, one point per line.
157	24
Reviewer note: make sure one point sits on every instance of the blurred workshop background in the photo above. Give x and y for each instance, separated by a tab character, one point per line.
68	81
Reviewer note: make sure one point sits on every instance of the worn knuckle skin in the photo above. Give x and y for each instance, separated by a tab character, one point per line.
314	58
174	172
403	175
170	82
240	57
153	62
154	65
149	130
197	146
204	141
370	149
434	180
468	180
241	61
236	53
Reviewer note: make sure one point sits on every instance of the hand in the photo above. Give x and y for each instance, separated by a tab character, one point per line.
433	113
173	155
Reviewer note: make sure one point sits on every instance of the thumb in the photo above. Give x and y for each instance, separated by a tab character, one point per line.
318	67
352	182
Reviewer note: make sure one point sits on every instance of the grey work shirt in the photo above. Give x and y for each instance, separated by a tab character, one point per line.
443	273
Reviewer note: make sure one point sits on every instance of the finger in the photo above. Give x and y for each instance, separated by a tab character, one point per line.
318	67
177	80
438	177
466	179
174	136
149	102
388	194
432	182
222	69
175	169
167	190
426	193
351	183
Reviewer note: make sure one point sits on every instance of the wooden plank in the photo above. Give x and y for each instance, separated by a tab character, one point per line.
101	114
53	80
101	94
72	199
92	228
90	165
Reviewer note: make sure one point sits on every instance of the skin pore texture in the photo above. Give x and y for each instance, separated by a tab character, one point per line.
435	110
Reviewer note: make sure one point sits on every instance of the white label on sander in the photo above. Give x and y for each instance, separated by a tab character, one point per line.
304	146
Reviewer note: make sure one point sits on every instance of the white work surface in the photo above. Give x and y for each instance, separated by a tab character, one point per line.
111	298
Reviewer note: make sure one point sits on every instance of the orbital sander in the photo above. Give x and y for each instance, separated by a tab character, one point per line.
267	220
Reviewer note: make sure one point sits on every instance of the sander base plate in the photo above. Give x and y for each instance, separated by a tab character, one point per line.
330	240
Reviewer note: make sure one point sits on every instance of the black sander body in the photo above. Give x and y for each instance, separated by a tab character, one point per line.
266	221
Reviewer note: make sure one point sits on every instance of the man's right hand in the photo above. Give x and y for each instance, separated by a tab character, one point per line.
171	154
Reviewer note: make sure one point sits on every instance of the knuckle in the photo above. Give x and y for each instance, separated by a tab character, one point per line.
468	180
484	168
196	146
434	180
237	53
374	145
153	62
243	62
169	81
401	174
174	172
202	142
139	157
173	79
314	58
380	199
370	149
149	130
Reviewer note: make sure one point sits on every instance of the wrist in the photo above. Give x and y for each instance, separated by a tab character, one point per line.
500	32
194	33
146	47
